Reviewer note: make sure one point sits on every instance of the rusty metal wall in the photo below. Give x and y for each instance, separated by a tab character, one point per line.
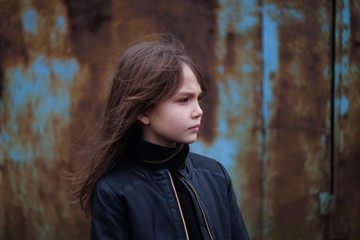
282	111
345	218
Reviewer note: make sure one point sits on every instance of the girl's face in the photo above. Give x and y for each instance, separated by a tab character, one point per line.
176	120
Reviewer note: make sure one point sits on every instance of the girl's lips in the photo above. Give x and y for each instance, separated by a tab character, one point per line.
195	128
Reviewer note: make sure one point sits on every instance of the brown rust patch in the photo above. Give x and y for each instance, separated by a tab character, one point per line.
296	153
12	45
345	219
230	53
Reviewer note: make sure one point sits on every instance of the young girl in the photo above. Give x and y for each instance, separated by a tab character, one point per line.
141	181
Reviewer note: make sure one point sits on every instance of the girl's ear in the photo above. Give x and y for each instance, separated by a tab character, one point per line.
144	119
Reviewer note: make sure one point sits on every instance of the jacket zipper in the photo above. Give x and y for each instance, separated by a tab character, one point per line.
202	210
178	202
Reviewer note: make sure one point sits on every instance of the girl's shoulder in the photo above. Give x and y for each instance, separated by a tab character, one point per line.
206	163
119	177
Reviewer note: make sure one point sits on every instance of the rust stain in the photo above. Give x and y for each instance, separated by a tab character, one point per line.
294	170
346	216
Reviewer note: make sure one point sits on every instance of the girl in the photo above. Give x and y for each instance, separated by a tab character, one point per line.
141	181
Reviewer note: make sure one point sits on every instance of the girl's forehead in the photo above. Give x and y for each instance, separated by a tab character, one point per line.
189	82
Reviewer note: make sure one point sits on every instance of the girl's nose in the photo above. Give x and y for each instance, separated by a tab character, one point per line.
198	112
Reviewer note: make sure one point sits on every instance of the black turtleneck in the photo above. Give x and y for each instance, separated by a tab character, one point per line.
151	157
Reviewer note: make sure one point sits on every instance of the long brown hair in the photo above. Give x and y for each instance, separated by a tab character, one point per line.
148	72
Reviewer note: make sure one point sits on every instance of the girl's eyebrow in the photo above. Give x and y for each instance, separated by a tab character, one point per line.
189	93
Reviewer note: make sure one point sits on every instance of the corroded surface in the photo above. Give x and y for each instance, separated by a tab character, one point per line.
297	147
345	219
270	68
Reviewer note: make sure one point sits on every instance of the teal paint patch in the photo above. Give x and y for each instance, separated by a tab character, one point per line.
344	105
221	69
247	20
32	91
325	27
341	106
223	150
65	70
4	138
342	66
283	15
223	18
326	72
20	153
30	22
58	30
61	24
237	16
246	68
270	45
346	12
231	97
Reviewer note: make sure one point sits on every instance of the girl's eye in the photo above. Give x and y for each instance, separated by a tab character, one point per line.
183	100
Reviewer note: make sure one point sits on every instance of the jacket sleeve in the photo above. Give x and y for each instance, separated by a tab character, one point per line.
238	228
108	214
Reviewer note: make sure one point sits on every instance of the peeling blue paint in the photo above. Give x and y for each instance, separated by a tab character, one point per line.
325	27
247	19
346	13
30	90
221	69
246	68
342	66
236	16
61	24
326	72
341	106
344	105
283	15
270	46
4	138
29	19
223	149
59	28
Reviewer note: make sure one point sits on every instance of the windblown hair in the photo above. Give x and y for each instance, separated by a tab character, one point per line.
148	72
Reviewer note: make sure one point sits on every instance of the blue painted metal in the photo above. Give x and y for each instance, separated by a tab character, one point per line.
29	20
30	91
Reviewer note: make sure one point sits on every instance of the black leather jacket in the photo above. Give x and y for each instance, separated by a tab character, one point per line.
133	203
